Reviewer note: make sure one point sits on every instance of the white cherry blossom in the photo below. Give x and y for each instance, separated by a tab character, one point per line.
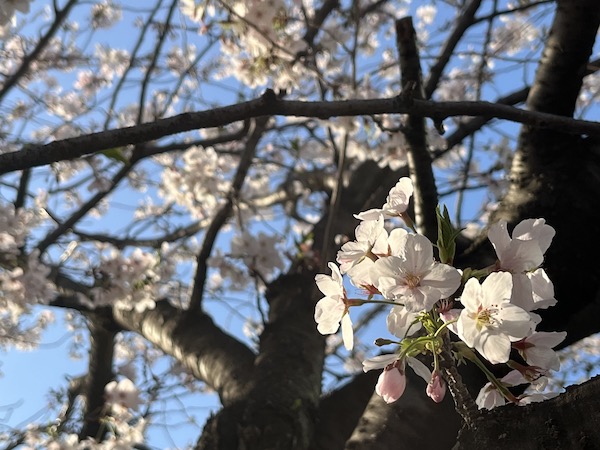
371	239
521	256
489	322
333	308
537	349
396	203
414	278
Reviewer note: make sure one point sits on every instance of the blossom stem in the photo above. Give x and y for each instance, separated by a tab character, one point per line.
471	356
359	302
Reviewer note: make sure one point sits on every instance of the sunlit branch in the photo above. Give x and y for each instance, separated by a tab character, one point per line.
197	343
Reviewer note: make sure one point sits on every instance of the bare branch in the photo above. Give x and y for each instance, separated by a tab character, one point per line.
269	104
465	20
223	214
39	48
419	160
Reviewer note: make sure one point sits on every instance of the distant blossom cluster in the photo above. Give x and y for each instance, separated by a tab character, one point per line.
496	317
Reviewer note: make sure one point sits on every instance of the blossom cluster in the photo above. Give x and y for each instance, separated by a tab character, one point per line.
494	318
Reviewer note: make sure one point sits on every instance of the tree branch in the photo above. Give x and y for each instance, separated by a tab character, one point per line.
425	196
211	355
465	20
269	104
223	214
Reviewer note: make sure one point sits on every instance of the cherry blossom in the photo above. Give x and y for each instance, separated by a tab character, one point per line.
333	308
414	278
537	349
489	322
521	256
371	239
122	393
396	203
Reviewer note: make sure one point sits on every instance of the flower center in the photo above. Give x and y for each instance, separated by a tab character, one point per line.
412	281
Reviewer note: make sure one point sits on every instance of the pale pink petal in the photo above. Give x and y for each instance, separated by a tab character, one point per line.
391	384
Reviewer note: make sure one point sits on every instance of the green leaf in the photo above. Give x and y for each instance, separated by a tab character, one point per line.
116	154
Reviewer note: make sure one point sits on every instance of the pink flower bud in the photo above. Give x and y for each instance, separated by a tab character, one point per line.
392	382
436	388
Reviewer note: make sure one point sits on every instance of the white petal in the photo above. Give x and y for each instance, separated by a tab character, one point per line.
400	321
522	294
328	313
493	346
498	236
347	332
371	214
521	256
397	240
419	368
535	229
472	295
496	288
513	321
418	253
542	289
444	278
466	328
379	361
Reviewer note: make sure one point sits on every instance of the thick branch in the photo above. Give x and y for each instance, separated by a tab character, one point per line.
568	421
99	374
268	104
197	343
